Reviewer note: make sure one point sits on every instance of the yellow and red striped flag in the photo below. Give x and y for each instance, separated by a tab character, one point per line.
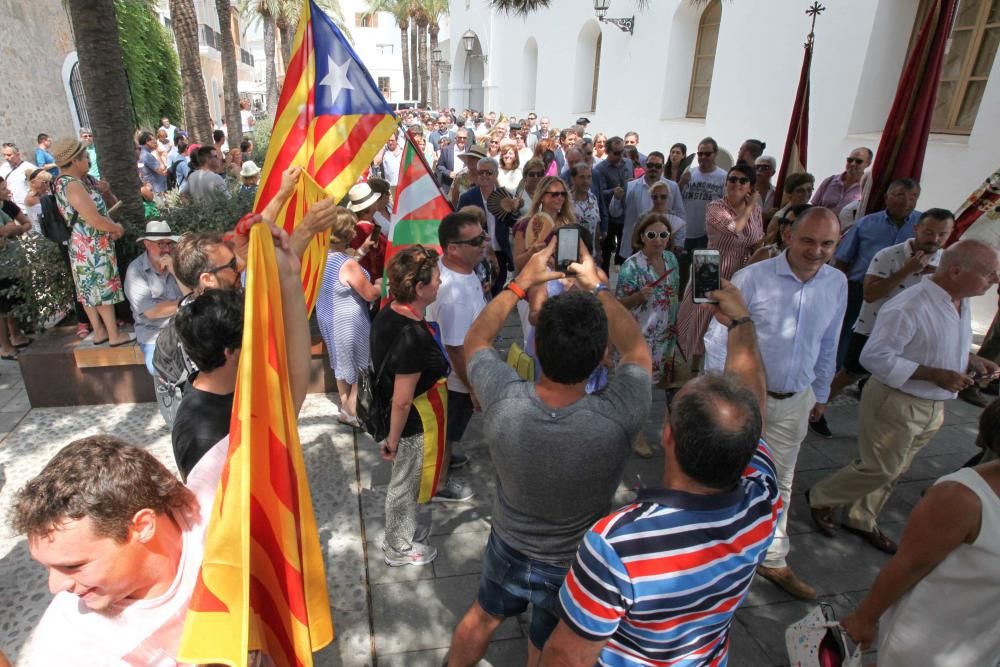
331	121
262	584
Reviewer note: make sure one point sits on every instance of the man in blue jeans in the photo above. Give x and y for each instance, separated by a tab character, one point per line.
152	288
558	451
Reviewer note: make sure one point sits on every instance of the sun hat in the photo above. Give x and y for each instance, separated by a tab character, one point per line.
475	150
66	149
249	169
360	197
158	230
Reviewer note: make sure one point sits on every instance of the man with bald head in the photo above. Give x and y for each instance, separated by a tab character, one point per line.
797	302
918	355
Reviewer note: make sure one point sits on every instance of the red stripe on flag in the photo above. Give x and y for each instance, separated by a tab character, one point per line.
286	486
202	599
265	607
289	579
289	146
346	151
434	399
296	68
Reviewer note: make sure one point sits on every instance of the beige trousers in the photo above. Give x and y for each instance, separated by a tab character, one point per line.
894	427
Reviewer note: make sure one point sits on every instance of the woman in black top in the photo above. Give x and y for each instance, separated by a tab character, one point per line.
413	378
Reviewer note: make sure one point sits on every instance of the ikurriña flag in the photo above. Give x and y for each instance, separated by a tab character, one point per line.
262	585
331	121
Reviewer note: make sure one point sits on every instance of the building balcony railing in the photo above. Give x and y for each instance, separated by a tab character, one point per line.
209	37
246	57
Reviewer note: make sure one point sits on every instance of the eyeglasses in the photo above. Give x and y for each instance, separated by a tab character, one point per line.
653	165
486	172
163	245
706	153
855	160
660	197
475	242
763	167
649	234
555	193
231	264
534	174
87	136
742	180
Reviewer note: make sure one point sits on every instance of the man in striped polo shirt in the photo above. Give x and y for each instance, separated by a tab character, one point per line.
658	581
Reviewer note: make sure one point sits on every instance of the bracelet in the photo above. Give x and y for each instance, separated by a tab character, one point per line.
601	287
737	322
517	290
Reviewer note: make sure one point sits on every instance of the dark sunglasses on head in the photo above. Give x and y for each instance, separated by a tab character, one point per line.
534	174
742	180
475	242
556	193
654	165
659	197
706	153
231	264
650	234
855	160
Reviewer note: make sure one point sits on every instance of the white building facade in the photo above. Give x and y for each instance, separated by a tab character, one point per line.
730	69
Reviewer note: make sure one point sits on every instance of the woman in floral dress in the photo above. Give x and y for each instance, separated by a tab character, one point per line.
92	242
648	283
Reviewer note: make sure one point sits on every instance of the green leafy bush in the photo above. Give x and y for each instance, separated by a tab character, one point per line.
42	284
151	64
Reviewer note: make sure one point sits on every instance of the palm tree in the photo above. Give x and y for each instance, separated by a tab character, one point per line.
400	10
196	116
266	11
105	85
414	51
230	89
422	59
287	22
435	10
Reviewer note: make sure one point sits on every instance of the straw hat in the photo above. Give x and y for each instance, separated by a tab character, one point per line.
249	169
66	149
477	151
360	197
158	230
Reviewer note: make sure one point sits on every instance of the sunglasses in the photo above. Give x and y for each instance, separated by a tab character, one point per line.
659	197
475	242
616	152
742	180
231	264
706	153
535	174
855	160
486	172
652	235
555	193
653	165
763	167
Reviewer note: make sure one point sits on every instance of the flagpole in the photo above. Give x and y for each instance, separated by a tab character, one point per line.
420	154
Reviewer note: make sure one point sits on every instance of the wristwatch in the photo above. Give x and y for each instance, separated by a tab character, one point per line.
740	320
601	287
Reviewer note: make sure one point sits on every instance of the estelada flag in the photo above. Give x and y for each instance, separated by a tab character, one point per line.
418	208
262	585
331	121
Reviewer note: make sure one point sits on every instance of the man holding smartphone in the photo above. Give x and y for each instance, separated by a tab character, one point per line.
797	303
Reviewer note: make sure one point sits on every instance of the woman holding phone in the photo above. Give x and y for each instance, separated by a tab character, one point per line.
735	228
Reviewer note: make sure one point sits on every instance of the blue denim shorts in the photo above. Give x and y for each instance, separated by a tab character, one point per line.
510	581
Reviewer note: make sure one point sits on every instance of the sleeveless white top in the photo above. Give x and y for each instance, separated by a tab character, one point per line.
950	618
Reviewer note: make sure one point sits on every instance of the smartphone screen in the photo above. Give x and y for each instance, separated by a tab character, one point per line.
705	267
567	247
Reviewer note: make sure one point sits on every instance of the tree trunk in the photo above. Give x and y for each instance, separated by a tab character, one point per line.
404	40
196	115
435	70
230	89
270	69
105	85
287	36
422	62
414	63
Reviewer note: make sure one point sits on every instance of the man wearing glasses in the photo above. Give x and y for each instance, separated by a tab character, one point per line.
701	186
87	137
611	177
638	201
839	190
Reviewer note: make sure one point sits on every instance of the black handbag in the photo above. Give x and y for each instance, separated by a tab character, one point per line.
372	410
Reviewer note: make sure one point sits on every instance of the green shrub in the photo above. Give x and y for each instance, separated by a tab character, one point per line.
184	215
42	284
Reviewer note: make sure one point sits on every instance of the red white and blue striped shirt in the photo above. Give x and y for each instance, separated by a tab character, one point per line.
660	579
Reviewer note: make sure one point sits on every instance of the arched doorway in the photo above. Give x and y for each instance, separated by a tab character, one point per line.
73	85
587	67
529	76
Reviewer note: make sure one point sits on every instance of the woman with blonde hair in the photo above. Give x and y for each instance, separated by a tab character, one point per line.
342	313
552	198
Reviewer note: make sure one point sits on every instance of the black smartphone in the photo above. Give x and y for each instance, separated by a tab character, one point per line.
705	267
567	247
376	230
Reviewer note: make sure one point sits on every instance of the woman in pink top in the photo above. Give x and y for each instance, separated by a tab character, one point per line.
735	229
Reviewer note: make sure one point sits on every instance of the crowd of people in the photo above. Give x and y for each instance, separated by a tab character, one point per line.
812	297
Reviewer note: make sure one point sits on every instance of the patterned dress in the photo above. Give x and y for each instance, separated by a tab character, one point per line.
587	212
91	252
343	320
657	316
734	252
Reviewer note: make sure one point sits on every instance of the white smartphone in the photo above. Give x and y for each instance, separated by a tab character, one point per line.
705	274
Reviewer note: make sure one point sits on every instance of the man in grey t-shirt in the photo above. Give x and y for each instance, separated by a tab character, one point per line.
559	452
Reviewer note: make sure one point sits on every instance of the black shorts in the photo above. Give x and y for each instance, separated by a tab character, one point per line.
852	358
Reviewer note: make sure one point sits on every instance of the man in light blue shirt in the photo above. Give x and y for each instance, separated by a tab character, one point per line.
43	158
797	303
862	242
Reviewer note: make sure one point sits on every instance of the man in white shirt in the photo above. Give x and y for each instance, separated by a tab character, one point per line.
390	158
892	270
459	301
796	302
918	355
637	201
15	172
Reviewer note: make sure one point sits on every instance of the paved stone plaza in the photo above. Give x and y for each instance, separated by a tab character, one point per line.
405	616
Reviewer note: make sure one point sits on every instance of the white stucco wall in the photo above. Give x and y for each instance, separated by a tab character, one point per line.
644	80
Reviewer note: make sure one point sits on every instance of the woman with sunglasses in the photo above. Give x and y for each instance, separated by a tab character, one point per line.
735	228
551	197
493	145
533	171
342	313
649	285
411	366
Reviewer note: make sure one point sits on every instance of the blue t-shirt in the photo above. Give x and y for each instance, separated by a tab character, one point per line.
870	234
149	166
43	157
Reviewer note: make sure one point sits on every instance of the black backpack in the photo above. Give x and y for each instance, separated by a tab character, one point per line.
170	361
172	175
53	224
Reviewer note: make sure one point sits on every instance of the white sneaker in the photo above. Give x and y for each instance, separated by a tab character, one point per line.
418	554
420	535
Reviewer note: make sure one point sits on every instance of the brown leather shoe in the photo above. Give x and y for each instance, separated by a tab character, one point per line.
784	578
823	518
876	538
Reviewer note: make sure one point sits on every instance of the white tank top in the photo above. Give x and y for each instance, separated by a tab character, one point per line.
951	617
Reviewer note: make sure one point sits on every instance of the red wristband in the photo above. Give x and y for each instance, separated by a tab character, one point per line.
517	290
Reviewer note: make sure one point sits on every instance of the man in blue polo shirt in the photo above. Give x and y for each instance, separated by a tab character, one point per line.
862	242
